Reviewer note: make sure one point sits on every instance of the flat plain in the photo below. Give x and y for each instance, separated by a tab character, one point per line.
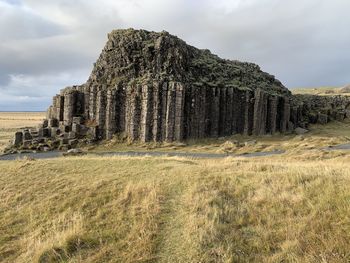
12	121
293	207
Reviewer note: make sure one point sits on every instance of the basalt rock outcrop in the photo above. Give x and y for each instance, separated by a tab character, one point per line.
154	87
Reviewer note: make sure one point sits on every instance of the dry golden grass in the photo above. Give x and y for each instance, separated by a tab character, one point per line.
289	208
12	121
319	136
320	91
119	209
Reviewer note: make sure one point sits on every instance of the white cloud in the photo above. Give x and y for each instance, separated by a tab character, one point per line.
34	92
46	45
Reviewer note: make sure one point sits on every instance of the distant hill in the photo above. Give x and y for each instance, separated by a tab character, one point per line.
345	89
323	90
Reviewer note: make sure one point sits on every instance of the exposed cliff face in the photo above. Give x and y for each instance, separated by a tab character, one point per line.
155	87
141	56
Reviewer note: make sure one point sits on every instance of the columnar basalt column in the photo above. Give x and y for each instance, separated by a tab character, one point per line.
54	107
289	125
157	111
164	102
272	114
239	110
284	114
69	106
111	114
86	92
134	112
80	103
93	103
179	112
294	115
229	111
260	112
101	113
120	108
170	112
146	113
215	113
201	111
53	110
248	113
236	110
193	111
222	116
208	108
60	107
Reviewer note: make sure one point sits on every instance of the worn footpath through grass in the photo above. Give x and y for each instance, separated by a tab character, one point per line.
119	209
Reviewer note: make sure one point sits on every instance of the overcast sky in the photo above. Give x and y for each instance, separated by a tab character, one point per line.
47	45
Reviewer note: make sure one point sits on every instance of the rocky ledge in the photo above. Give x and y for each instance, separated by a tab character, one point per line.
154	87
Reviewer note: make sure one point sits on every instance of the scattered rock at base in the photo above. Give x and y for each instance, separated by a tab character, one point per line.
153	87
74	152
322	118
300	131
250	143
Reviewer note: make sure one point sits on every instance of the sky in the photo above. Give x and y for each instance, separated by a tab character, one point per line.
48	45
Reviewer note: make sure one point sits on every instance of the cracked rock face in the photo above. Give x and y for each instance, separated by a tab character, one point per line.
154	87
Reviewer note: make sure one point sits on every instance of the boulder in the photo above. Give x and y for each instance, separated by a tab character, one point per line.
250	143
53	123
55	131
73	142
64	147
44	132
74	152
26	135
322	118
76	128
300	131
77	120
27	144
18	140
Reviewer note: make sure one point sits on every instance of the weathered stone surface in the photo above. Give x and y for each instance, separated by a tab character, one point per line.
76	128
18	140
272	114
154	87
73	142
44	132
300	131
27	135
111	125
27	144
77	120
52	123
55	132
260	112
69	106
146	121
322	118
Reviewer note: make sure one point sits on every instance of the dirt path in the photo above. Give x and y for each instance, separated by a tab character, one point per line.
55	154
171	225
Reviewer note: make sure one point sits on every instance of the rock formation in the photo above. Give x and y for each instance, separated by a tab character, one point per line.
154	87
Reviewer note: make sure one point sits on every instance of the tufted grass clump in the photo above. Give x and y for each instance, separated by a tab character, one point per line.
122	209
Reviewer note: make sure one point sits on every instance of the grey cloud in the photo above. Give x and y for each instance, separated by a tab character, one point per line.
46	45
18	22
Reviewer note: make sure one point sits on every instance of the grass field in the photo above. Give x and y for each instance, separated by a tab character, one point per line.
12	121
84	209
318	137
320	91
289	208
